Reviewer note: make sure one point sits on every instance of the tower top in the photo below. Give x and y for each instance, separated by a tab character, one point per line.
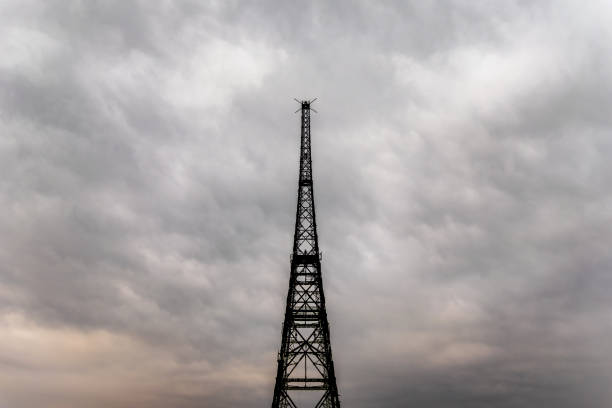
305	104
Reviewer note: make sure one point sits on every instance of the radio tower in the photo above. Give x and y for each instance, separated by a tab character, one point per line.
305	357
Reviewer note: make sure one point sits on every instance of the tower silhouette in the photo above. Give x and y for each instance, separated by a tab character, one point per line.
305	358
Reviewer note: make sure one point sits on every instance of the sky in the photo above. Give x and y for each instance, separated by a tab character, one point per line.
463	183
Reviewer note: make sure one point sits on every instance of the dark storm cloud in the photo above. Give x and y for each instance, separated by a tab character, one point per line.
462	183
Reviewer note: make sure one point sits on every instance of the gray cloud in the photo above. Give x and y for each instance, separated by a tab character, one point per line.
149	156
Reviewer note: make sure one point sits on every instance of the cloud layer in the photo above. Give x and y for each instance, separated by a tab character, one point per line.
463	189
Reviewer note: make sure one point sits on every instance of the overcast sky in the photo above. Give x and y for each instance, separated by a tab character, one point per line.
463	181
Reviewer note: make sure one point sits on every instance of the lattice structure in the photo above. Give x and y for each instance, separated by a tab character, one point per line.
305	358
